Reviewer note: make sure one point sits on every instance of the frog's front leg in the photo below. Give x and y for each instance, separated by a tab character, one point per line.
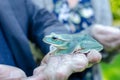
77	49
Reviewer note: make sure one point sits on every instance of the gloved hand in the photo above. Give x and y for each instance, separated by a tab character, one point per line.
53	67
108	36
11	73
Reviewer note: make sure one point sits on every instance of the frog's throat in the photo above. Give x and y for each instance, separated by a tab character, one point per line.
62	46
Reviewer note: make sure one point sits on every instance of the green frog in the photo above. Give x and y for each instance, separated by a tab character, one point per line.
68	43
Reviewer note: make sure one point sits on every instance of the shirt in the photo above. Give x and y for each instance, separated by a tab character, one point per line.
75	19
6	56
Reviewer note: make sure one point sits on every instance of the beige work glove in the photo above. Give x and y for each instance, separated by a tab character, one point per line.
53	67
108	36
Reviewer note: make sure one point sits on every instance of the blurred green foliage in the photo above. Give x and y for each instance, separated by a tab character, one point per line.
115	6
111	71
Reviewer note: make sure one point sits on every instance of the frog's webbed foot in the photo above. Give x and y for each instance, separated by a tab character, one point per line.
80	51
77	51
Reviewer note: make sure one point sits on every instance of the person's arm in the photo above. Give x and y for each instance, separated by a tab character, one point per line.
42	23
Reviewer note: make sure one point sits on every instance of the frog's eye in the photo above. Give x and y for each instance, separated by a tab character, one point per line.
54	38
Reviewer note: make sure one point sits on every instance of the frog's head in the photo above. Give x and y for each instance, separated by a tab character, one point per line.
56	40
